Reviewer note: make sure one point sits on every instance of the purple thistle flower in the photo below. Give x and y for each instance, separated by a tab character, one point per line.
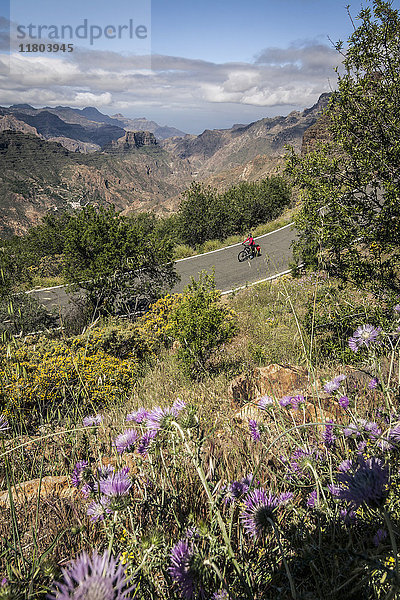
345	465
334	385
87	489
254	430
116	484
236	489
348	516
160	418
361	447
364	336
373	383
301	461
312	499
351	430
3	424
97	510
264	402
396	308
77	473
285	401
177	406
92	421
92	578
380	535
343	401
145	442
365	483
295	401
328	436
139	416
285	497
182	571
260	506
221	595
126	441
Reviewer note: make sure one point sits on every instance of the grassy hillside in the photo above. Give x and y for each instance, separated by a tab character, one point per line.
239	483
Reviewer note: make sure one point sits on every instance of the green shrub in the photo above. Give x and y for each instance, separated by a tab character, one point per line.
201	324
333	316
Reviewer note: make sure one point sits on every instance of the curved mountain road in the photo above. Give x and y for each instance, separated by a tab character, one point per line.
230	274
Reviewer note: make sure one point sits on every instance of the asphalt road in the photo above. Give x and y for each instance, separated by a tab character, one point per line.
229	272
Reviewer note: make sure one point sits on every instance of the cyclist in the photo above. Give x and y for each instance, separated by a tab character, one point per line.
255	248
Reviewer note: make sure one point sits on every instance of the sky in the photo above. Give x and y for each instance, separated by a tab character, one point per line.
193	65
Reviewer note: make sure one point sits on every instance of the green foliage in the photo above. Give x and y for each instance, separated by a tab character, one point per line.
204	214
349	222
333	314
122	262
201	324
23	314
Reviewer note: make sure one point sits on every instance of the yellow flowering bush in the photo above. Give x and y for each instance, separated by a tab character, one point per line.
156	324
42	377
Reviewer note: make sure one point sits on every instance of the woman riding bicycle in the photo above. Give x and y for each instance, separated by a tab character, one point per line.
255	248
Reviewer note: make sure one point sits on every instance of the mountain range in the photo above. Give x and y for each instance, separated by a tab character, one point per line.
54	159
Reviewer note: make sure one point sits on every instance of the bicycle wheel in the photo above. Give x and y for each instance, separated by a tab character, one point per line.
243	255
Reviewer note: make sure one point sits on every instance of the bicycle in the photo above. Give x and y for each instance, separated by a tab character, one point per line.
246	254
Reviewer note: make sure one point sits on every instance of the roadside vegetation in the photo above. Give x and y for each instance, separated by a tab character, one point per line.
222	448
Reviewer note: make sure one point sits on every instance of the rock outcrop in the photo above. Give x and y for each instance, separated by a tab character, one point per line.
131	141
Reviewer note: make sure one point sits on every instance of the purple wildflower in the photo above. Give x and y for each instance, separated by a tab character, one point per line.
295	401
92	421
116	484
3	424
77	473
221	595
351	430
364	336
361	447
87	489
177	406
139	416
328	436
97	510
301	461
379	537
345	465
285	401
145	442
126	441
254	430
365	483
182	571
373	383
343	401
334	385
368	428
312	499
236	489
348	516
396	308
264	402
160	418
92	577
260	507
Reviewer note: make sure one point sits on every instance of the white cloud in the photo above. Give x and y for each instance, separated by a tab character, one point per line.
290	77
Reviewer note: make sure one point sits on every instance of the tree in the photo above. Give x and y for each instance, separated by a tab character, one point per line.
119	261
349	222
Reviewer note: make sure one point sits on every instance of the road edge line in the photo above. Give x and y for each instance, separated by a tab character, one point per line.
233	245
